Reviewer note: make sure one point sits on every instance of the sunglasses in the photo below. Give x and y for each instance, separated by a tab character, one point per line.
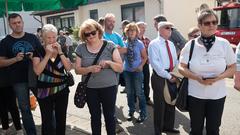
168	28
195	35
93	33
208	23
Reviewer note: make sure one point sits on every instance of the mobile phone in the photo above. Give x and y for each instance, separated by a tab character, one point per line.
205	78
27	55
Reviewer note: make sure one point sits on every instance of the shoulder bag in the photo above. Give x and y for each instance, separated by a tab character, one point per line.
80	94
182	99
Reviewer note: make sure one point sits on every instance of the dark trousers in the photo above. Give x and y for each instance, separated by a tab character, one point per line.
54	104
211	110
8	104
164	114
104	98
146	78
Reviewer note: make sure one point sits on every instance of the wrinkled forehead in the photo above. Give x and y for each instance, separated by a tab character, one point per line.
49	34
110	18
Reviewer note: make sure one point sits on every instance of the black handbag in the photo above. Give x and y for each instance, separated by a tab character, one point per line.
69	79
80	94
182	99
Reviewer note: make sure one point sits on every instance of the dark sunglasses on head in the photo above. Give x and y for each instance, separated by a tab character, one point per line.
87	34
208	23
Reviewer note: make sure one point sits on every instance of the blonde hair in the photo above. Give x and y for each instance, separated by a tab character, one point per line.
131	25
90	24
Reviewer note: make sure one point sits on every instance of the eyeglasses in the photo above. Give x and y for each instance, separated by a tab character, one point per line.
208	23
195	35
168	28
132	30
90	33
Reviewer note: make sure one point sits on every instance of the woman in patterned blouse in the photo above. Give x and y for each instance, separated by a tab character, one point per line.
49	63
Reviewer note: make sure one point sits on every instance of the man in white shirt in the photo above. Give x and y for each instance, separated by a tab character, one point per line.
163	58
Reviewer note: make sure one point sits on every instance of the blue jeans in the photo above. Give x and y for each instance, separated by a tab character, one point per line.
134	87
22	94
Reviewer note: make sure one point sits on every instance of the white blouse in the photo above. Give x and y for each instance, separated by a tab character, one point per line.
208	64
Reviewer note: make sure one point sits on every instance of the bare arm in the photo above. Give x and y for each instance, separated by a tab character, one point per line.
144	59
5	62
122	50
187	73
85	70
183	69
38	66
116	64
237	80
66	62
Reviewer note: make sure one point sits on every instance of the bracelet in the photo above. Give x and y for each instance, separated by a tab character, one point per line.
60	54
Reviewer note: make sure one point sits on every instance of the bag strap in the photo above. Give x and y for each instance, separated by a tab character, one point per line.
95	60
191	51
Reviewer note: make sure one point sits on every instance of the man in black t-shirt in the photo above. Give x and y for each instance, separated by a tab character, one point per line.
16	52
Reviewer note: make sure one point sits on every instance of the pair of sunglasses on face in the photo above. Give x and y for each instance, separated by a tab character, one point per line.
88	34
195	35
208	23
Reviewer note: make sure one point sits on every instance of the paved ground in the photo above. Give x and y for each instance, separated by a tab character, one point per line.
78	120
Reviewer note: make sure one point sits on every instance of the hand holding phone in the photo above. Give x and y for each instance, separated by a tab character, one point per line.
205	78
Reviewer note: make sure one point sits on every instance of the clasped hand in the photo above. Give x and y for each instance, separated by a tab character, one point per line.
207	81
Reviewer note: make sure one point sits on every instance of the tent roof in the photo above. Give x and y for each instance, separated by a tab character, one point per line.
43	13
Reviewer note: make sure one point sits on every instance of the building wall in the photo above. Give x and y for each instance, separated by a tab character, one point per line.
180	12
30	24
114	6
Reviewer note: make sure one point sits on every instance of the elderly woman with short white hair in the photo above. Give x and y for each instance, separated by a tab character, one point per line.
49	63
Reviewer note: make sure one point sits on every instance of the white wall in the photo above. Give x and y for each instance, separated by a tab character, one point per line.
30	24
180	12
113	6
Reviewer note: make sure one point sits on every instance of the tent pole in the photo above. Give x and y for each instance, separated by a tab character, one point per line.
6	7
4	25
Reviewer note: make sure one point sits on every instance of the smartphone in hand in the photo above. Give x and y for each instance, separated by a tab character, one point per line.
205	78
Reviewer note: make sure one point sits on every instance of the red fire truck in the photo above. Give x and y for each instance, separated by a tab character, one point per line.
229	22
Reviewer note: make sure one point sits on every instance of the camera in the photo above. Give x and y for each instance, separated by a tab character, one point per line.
27	55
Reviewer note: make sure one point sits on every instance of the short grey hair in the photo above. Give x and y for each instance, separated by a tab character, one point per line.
141	23
49	28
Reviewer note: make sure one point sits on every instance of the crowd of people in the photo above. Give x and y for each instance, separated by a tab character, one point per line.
125	60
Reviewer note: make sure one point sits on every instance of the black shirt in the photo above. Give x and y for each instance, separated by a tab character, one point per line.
4	79
10	47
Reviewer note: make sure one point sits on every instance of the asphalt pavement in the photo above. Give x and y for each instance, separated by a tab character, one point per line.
78	120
